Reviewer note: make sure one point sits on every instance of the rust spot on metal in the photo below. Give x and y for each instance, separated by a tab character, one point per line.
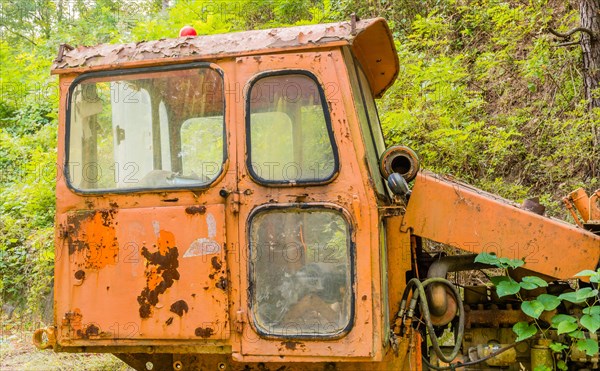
161	272
169	321
291	345
195	210
91	234
179	307
92	330
73	319
203	332
216	264
79	275
222	284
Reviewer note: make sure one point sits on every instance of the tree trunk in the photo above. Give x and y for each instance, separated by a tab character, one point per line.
590	18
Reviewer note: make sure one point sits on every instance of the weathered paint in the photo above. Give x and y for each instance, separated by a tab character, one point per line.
464	217
91	237
148	291
370	40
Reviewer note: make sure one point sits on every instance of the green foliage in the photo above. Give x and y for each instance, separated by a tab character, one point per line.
484	94
524	330
532	308
570	325
589	346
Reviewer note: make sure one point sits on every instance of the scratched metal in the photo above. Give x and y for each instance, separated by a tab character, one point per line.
145	267
370	40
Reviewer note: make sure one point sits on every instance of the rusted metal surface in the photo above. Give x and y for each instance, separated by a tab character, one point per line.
588	208
175	284
464	217
410	360
367	327
371	42
492	316
162	282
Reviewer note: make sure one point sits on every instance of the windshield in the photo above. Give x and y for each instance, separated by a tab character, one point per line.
157	130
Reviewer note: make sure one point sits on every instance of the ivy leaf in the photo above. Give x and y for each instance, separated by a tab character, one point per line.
586	293
497	279
538	282
577	334
579	296
524	330
557	347
532	308
486	258
590	346
550	302
592	310
590	322
508	287
561	365
566	327
510	263
585	273
528	285
562	318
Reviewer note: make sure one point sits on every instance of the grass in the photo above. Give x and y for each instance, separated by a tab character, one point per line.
17	353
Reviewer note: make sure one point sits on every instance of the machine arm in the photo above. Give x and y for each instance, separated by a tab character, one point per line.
455	214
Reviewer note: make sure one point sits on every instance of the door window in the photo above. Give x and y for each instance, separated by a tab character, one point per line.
301	279
289	131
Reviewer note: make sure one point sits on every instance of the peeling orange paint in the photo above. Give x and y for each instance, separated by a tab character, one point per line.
92	238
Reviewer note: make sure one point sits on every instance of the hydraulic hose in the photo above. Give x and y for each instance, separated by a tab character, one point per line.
418	289
454	366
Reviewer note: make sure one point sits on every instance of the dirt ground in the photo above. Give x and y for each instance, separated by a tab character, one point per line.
18	354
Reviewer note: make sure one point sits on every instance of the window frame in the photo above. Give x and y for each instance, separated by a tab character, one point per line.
351	262
129	72
290	183
369	133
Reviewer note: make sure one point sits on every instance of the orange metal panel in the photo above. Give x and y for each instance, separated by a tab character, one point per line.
150	273
399	262
106	235
347	191
472	220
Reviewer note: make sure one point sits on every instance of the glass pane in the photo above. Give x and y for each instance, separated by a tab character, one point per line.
368	120
162	130
301	274
289	138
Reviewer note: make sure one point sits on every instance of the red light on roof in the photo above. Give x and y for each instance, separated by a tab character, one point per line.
187	31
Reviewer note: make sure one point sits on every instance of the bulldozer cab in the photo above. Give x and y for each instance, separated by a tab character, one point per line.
227	202
220	195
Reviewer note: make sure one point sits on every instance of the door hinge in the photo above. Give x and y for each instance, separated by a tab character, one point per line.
240	319
234	198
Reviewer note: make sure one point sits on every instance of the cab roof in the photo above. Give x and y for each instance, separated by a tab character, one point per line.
370	40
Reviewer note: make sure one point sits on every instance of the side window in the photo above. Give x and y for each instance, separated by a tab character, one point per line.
289	137
301	272
146	130
368	120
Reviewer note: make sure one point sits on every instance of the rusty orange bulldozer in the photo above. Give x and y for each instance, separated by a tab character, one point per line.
227	202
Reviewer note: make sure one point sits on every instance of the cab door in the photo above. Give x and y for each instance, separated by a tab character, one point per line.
305	225
141	242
